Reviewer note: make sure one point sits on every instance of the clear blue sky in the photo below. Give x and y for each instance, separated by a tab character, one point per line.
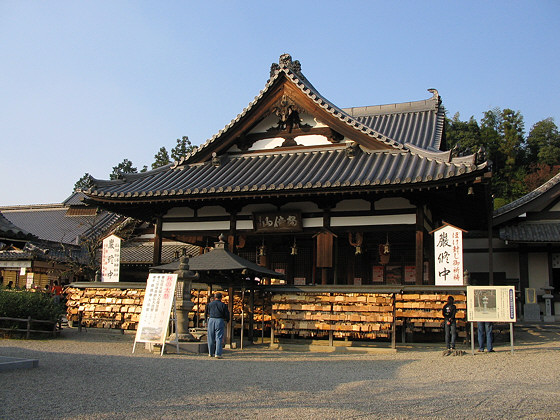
84	85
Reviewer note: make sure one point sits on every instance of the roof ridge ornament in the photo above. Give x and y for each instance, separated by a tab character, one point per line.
285	62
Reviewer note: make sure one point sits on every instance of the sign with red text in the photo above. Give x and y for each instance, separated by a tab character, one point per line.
111	259
448	254
156	309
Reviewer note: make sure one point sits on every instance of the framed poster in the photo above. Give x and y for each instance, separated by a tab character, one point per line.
394	274
156	309
491	303
410	274
377	274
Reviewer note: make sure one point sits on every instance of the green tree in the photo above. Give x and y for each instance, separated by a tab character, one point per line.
463	136
543	143
182	148
161	158
125	167
84	182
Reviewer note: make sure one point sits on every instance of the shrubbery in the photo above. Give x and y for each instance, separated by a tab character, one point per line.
24	304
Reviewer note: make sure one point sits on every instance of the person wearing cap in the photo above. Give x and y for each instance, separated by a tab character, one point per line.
218	316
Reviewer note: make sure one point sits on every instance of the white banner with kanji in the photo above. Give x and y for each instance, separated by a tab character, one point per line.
111	259
156	309
448	254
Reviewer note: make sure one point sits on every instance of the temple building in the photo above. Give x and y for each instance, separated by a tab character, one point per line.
323	194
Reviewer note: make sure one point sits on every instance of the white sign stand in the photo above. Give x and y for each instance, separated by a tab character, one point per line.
159	300
491	304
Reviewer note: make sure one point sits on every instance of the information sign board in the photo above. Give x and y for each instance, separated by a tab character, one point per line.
491	304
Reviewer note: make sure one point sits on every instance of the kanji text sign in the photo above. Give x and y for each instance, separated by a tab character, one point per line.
448	253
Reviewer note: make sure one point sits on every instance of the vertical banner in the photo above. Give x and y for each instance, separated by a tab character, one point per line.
448	254
491	303
111	259
156	309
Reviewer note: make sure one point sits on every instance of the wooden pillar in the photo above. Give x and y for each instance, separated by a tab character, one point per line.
250	336
232	230
229	335
419	244
158	239
490	235
523	269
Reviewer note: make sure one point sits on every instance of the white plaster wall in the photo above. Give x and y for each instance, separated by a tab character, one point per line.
212	211
507	262
394	219
305	207
195	226
256	208
180	212
393	203
538	270
556	207
352	205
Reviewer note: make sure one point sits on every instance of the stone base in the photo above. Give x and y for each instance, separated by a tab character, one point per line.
531	312
11	363
549	318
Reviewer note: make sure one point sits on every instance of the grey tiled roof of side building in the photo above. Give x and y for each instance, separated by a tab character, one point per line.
9	230
49	222
531	232
527	198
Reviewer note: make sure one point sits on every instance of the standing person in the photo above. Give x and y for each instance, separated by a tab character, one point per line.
218	316
449	312
485	331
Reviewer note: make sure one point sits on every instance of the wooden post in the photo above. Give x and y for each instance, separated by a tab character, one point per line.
28	328
394	327
230	308
419	244
157	241
251	333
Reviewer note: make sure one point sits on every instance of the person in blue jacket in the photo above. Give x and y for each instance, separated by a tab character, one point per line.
218	316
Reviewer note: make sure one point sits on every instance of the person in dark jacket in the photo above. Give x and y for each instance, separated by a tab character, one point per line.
449	312
218	316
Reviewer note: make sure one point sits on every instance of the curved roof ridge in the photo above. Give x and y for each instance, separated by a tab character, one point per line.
430	104
537	192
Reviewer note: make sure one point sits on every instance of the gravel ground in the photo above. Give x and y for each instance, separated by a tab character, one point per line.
94	375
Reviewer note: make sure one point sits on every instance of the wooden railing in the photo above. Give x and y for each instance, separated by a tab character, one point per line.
29	321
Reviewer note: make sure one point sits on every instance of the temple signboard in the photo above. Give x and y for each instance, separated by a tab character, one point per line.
448	254
274	222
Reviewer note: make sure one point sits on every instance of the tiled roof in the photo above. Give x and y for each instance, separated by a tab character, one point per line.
144	253
50	222
531	232
418	123
307	171
517	207
9	230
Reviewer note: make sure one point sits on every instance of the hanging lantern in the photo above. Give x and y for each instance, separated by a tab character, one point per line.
384	252
357	244
262	250
293	250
